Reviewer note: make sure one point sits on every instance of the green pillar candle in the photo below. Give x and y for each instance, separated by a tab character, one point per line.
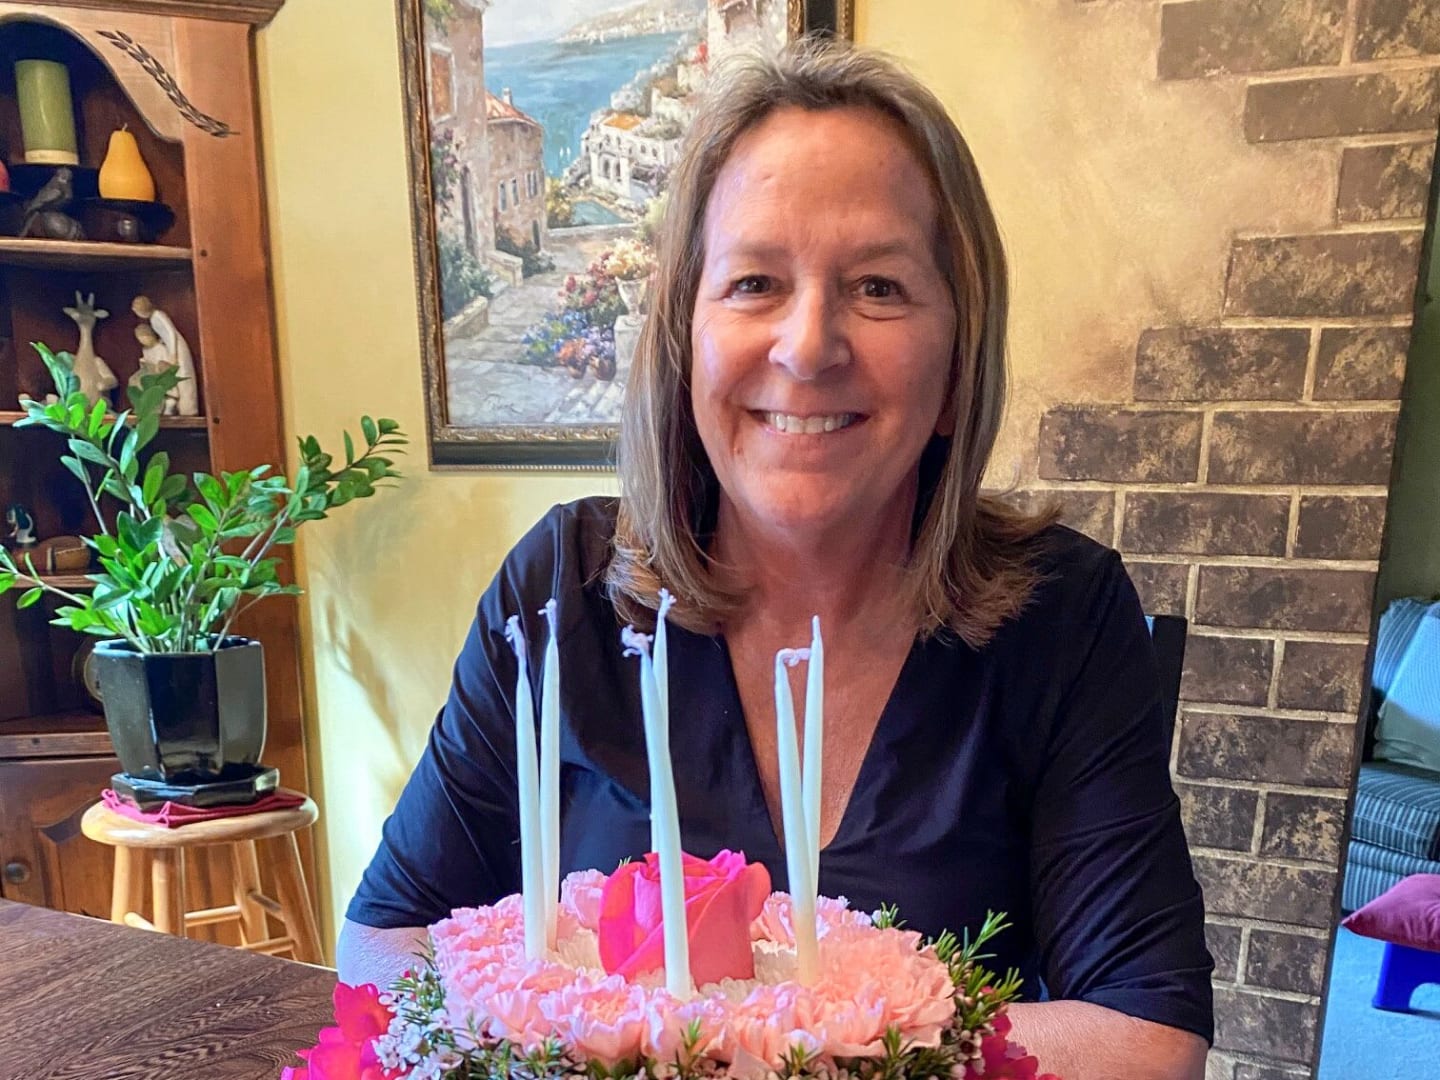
47	116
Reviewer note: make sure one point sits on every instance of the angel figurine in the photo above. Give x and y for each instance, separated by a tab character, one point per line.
155	358
177	353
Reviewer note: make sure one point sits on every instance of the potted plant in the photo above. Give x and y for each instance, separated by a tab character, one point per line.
630	263
179	559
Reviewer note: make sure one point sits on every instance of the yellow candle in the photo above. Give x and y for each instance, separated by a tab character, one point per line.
47	115
532	875
797	841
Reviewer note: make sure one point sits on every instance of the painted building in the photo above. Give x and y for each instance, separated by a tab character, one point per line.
745	24
630	155
517	172
455	74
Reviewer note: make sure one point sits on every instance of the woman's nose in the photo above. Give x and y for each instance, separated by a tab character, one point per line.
809	339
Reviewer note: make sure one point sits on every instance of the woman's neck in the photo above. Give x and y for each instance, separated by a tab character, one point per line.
851	576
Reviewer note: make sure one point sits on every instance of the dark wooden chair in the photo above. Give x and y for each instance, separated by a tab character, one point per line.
1167	632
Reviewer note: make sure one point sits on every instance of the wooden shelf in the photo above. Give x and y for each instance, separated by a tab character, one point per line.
184	423
72	734
86	255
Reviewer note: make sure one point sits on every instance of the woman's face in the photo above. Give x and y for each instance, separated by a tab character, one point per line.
823	327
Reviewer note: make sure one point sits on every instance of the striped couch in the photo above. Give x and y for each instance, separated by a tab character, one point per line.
1395	831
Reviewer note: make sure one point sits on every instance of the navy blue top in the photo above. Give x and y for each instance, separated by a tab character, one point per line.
1029	777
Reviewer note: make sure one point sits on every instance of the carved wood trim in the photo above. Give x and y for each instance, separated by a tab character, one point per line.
255	12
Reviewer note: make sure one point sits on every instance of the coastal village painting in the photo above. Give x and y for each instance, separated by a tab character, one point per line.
552	128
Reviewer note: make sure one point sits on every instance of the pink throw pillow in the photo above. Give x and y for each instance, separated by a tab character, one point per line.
1408	914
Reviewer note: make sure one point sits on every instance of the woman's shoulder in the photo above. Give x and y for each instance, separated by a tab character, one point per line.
566	551
1077	579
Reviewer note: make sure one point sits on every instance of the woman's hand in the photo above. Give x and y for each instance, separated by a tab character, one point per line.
1080	1041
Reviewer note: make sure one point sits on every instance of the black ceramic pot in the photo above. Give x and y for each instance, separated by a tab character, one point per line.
183	717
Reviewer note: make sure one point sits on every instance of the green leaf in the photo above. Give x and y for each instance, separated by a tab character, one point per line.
76	466
145	430
89	453
284	536
30	598
204	518
210	488
388	427
154	477
349	450
97	417
7	581
372	433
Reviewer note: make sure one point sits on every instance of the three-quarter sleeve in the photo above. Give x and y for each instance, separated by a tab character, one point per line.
1118	915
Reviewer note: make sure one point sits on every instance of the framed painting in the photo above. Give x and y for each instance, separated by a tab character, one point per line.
541	135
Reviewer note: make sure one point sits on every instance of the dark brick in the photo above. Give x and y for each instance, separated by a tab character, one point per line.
1305	826
1213	36
1213	364
1162	586
1320	108
1243	887
1281	961
1388	28
1231	671
1257	1024
1089	512
1099	443
1322	675
1282	751
1218	817
1340	526
1284	599
1205	523
1381	183
1302	447
1224	945
1330	275
1364	363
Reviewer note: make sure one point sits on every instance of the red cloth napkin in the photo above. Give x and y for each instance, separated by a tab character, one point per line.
173	815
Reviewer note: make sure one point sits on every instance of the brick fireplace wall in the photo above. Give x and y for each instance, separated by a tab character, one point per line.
1243	475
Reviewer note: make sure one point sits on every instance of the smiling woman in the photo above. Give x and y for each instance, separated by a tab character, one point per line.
813	404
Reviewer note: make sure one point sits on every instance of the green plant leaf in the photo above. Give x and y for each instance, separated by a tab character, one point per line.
90	453
203	517
30	598
7	581
349	450
145	429
154	478
372	433
388	427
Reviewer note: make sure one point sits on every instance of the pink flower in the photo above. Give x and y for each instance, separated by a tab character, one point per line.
347	1052
604	1020
722	897
1004	1060
580	895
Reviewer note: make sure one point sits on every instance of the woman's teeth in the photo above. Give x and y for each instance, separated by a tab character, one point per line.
808	425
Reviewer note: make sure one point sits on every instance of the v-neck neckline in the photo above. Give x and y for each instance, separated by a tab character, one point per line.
749	764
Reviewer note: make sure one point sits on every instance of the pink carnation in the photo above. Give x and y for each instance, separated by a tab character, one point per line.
604	1019
580	894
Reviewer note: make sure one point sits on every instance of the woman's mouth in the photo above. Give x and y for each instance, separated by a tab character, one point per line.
791	424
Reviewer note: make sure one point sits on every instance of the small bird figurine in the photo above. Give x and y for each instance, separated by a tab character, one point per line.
44	214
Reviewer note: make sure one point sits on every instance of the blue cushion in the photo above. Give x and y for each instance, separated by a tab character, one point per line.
1397	807
1408	731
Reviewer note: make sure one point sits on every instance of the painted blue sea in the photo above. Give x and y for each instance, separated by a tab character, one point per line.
563	85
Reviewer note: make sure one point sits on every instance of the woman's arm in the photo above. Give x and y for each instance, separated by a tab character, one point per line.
368	954
1080	1041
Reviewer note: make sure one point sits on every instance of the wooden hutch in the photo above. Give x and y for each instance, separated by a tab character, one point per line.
181	75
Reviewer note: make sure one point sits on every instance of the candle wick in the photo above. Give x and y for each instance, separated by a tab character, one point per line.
792	657
636	643
549	612
667	601
514	636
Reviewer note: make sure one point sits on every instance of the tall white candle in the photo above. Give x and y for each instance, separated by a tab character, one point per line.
664	822
550	776
661	663
797	840
814	746
532	877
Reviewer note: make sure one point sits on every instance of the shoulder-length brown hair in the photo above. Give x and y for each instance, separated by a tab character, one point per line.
969	566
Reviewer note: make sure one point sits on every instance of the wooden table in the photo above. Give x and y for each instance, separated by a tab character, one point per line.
90	1000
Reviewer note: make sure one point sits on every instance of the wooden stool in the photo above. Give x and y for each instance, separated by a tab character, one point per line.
136	842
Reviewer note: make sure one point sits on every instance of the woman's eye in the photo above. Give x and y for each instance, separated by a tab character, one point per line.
878	288
752	285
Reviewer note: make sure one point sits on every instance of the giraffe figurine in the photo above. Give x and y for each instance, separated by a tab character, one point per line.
96	378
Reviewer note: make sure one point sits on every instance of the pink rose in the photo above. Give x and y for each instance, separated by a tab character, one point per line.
722	897
347	1052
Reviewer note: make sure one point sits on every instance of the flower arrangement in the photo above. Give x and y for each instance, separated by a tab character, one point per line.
888	1004
629	260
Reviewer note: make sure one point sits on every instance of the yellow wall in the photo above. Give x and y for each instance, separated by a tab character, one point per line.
391	583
